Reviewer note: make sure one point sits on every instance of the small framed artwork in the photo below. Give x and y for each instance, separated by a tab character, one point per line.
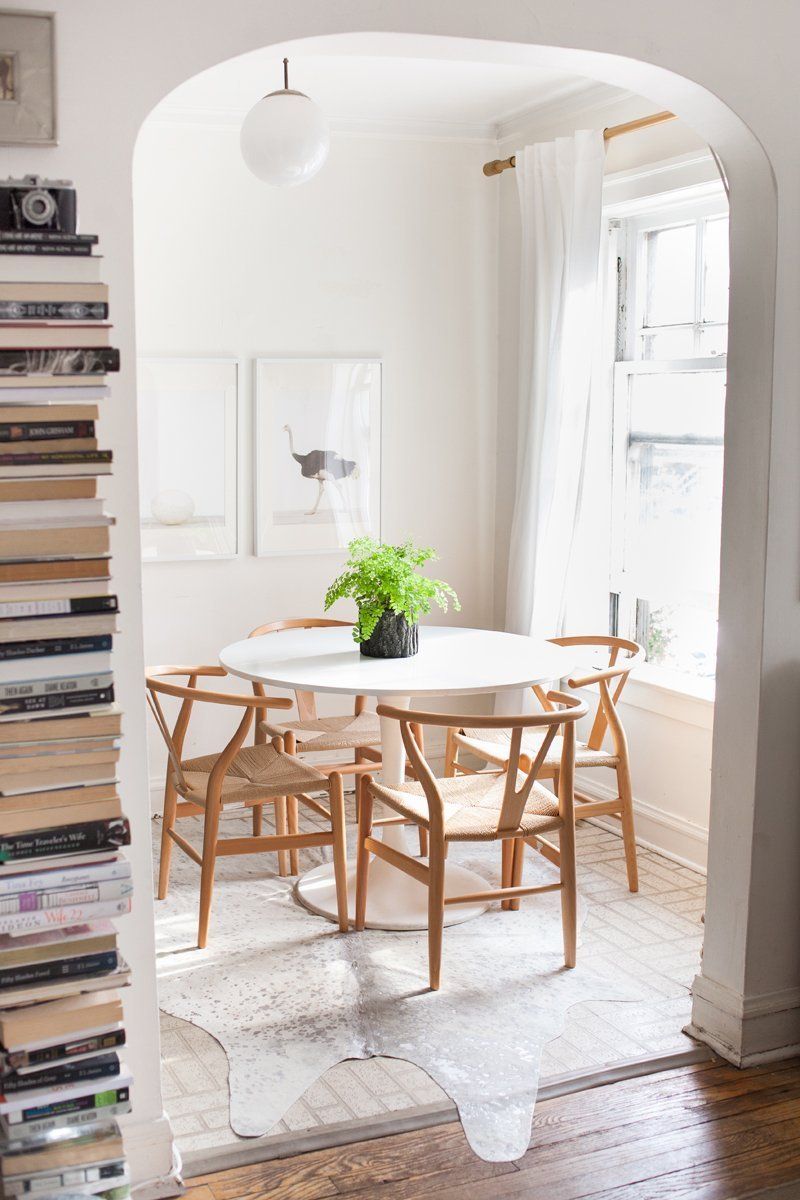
27	79
318	453
188	458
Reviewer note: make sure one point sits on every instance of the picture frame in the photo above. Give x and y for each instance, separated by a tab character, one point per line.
188	458
317	453
27	78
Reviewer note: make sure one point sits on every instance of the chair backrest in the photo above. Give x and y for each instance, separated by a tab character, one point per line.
560	717
157	685
306	701
623	657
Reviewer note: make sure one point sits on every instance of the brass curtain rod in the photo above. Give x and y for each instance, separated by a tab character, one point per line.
498	165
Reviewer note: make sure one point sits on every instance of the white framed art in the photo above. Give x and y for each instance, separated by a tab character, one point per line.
188	458
27	78
318	453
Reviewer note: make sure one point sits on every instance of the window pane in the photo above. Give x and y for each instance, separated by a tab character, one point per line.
715	269
669	343
682	637
672	532
713	340
670	275
678	404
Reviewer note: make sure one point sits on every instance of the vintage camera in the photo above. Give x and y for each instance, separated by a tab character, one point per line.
34	203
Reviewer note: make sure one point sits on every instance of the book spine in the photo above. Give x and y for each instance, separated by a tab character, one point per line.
47	684
68	968
43	458
46	431
68	839
16	1059
48	235
34	901
66	877
56	701
101	1067
77	1104
87	360
54	647
62	607
26	1129
60	918
52	310
78	249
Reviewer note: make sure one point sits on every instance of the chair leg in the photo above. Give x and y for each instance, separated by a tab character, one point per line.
628	830
435	912
210	829
507	851
569	892
339	849
423	841
258	819
168	823
282	829
293	817
362	854
450	754
517	864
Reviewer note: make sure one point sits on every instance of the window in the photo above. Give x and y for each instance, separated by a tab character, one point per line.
668	420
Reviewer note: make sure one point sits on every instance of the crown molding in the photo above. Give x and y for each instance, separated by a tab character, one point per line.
571	100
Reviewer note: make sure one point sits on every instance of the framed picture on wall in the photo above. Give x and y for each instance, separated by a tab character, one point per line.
318	453
188	458
27	79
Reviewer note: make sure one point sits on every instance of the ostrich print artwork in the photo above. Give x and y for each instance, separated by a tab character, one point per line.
327	467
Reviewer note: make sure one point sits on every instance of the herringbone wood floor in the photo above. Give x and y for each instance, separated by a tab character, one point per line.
709	1132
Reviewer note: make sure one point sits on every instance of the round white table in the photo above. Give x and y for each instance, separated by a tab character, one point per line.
450	662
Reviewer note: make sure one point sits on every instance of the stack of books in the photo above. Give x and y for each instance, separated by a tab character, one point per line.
63	872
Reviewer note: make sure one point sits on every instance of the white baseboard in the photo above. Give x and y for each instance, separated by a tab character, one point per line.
676	838
153	1158
746	1030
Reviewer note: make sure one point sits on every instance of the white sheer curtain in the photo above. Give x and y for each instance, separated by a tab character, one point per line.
560	192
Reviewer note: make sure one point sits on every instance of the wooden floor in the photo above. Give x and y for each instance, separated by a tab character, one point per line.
708	1132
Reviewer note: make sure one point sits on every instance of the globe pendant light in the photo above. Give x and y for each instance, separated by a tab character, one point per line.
285	138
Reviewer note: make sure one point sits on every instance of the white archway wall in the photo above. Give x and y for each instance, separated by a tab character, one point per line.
389	252
117	60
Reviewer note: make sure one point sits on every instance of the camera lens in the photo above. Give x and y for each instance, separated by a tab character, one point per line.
38	207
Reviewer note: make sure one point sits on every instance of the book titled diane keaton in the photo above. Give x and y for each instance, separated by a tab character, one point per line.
89	360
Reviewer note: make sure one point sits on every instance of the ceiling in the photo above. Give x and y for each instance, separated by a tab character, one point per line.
362	90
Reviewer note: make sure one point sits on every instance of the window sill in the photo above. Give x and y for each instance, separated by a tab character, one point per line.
670	694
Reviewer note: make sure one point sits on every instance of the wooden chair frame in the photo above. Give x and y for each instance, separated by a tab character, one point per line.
610	682
366	758
177	801
515	798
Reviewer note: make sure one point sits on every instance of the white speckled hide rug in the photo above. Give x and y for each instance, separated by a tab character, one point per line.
288	996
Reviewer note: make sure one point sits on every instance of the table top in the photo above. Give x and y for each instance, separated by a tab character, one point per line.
450	662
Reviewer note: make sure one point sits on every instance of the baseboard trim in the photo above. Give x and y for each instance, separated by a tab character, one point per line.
746	1030
677	839
153	1157
344	1133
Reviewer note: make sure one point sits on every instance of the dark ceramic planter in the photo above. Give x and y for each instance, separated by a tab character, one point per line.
392	637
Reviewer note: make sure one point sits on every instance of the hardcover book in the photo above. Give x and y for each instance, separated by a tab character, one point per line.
70	839
87	360
55	647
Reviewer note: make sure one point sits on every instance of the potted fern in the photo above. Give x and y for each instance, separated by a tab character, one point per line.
390	594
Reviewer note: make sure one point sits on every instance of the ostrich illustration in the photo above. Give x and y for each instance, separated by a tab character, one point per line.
326	466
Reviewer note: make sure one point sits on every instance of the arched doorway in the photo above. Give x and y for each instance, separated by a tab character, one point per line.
737	767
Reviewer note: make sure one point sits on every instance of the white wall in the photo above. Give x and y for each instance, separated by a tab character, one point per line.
669	735
390	251
117	60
